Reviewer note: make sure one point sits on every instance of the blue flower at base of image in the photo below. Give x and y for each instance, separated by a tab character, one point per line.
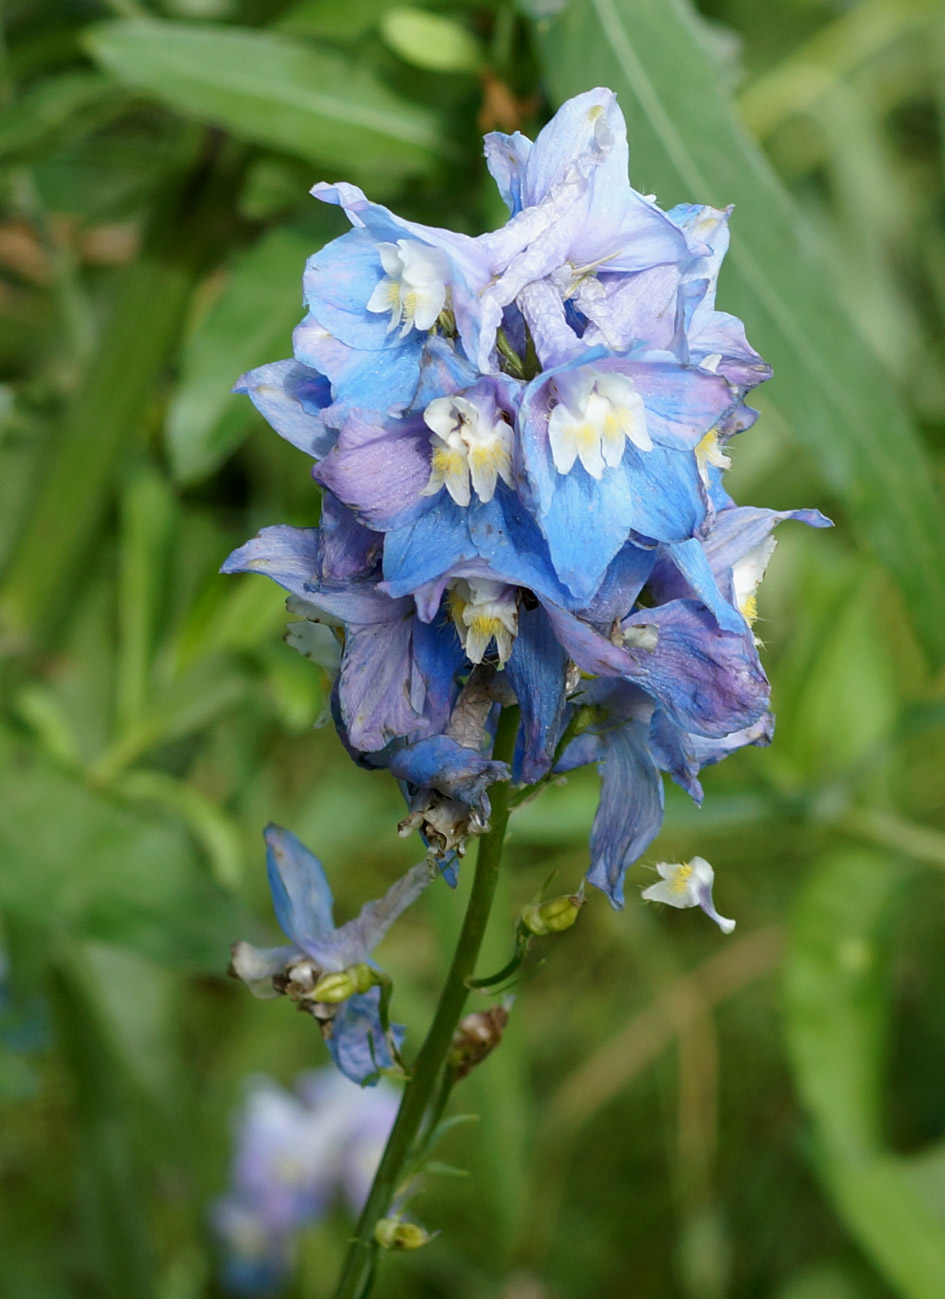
347	1007
521	440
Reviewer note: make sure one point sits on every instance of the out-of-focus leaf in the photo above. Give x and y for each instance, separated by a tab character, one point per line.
829	386
841	698
338	20
59	105
208	823
430	41
110	1180
250	323
183	705
277	91
836	981
76	860
148	516
143	329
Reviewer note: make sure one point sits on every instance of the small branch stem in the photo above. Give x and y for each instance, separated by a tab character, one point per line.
357	1272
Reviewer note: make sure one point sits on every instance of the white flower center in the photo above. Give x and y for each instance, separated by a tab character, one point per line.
747	573
468	447
594	421
414	287
484	611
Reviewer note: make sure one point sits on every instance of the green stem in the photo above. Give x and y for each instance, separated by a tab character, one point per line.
358	1270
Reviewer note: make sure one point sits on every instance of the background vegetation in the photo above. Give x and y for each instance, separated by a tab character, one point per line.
672	1113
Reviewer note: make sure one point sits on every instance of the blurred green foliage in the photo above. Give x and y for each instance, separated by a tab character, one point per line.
671	1114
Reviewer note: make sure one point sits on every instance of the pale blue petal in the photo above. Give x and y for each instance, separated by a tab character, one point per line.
357	1044
292	398
301	894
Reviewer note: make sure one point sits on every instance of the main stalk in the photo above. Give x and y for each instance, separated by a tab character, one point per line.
358	1270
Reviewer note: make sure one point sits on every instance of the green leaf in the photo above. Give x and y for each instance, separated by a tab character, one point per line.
112	405
688	146
430	41
835	982
59	106
277	91
79	861
250	323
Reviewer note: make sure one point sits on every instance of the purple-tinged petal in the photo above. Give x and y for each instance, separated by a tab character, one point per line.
379	469
292	557
301	894
707	751
440	763
381	690
739	529
354	942
348	549
673	752
708	681
628	310
555	341
537	670
630	812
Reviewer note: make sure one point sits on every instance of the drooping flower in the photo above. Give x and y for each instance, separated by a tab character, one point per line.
348	1008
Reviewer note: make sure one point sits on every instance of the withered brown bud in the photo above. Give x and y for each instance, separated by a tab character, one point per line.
476	1036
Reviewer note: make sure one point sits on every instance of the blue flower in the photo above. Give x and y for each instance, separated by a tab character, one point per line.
360	1044
293	1152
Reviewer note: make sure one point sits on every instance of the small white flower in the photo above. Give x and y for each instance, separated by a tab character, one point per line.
484	611
468	445
414	288
593	422
688	884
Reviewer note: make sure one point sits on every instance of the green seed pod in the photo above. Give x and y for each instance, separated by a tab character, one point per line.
553	916
392	1233
341	985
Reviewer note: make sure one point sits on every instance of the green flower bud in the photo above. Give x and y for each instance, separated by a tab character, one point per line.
392	1233
553	916
339	986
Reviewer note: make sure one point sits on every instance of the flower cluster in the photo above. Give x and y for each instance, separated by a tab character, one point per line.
294	1152
521	440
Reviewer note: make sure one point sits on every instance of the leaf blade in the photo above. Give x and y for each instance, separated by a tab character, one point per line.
274	90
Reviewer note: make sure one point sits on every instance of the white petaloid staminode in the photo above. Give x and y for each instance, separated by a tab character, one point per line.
688	884
596	417
468	446
747	573
484	611
414	287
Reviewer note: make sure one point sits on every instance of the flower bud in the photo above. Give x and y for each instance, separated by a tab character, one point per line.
392	1233
342	984
553	916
